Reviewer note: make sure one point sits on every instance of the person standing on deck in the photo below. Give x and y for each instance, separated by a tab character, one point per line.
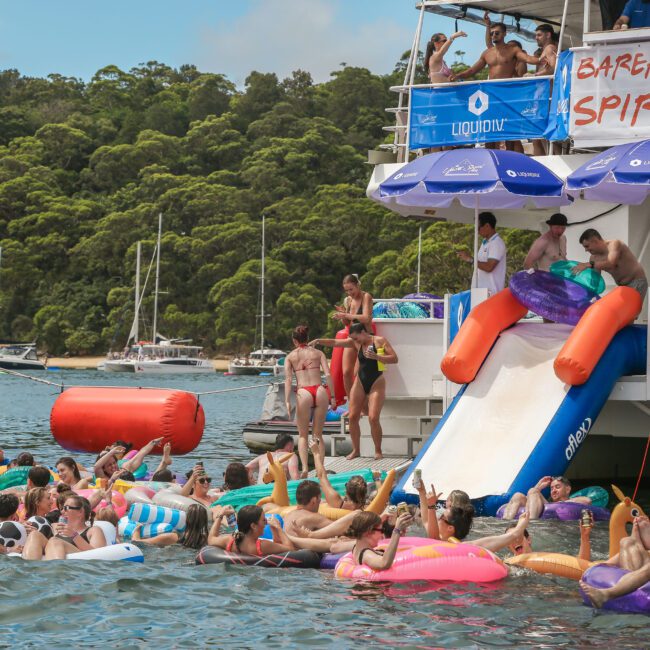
549	247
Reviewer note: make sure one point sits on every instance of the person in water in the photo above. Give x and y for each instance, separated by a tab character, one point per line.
198	485
194	536
367	529
312	399
434	58
110	461
357	308
284	446
246	539
535	501
370	385
69	473
549	247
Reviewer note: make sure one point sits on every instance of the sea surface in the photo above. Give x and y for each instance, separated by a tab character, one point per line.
168	602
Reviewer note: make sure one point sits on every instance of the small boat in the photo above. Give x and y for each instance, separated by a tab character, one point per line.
20	356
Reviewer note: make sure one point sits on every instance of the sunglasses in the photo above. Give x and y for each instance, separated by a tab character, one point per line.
495	32
205	480
378	530
71	508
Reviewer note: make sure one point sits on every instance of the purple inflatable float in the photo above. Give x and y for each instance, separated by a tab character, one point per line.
603	576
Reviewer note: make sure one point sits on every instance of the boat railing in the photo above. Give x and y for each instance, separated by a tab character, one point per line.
428	303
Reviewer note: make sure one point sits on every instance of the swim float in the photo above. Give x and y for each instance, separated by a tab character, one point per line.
420	558
551	296
300	559
603	576
589	279
564	511
117	501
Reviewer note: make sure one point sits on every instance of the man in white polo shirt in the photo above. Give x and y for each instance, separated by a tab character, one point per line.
491	256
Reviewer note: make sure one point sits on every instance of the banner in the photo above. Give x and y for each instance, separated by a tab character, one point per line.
610	94
558	120
479	112
460	305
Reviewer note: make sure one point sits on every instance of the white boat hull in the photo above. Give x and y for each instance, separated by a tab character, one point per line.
177	367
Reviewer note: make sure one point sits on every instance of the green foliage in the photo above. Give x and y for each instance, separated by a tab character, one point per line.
85	169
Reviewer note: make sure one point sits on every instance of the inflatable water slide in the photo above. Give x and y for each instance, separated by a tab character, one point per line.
530	394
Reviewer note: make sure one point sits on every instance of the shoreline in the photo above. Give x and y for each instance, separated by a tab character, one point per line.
90	363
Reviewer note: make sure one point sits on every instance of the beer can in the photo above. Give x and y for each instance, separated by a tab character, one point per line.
586	518
403	508
417	479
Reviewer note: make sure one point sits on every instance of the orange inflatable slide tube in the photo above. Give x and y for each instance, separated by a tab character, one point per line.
477	335
336	368
594	332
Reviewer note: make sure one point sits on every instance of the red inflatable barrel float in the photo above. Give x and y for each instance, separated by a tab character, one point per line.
336	367
91	418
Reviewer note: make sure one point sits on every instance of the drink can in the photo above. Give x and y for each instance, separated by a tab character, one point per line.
586	518
391	510
403	509
417	479
63	520
232	520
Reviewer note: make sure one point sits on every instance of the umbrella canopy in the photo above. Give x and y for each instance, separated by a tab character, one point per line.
478	178
618	175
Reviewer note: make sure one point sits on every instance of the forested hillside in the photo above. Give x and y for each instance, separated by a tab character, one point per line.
85	168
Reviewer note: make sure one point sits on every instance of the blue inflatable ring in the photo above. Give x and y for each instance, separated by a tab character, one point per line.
551	297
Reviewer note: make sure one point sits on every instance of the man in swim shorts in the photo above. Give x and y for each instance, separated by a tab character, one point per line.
634	557
615	257
535	501
284	445
549	247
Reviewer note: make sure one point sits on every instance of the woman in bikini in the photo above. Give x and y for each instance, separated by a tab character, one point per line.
307	364
367	529
357	308
246	539
434	57
369	386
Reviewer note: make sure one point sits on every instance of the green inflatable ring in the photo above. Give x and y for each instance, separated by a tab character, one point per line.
139	473
250	495
588	278
599	496
16	476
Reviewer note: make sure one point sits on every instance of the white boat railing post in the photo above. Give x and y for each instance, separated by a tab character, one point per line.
262	291
586	26
155	304
414	62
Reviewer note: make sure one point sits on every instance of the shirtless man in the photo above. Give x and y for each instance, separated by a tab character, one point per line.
634	556
549	247
534	501
284	446
613	256
306	515
546	40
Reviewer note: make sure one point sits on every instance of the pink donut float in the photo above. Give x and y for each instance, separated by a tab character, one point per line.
420	558
118	501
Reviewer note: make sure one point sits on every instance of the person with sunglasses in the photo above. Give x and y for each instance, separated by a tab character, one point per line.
198	485
368	530
434	58
71	535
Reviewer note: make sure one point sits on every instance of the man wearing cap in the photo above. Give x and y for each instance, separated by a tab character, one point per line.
491	259
549	247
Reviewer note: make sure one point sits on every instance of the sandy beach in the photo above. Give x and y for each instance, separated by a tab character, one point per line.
90	363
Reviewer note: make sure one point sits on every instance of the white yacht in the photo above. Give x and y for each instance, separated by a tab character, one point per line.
20	356
161	355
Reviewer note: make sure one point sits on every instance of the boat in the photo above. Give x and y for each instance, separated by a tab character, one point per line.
263	361
159	355
20	356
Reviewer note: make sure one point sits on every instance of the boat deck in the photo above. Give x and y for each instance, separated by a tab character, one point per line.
340	464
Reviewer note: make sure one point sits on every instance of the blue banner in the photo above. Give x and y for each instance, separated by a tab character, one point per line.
459	306
558	121
479	112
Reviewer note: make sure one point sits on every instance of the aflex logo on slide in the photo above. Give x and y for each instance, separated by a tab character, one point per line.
576	439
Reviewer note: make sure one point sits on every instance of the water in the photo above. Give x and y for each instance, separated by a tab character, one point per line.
169	602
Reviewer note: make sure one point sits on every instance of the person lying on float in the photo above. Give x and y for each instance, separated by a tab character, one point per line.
106	463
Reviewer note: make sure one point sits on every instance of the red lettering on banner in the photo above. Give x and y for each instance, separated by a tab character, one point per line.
623	62
638	64
625	105
604	67
580	109
586	69
608	104
642	102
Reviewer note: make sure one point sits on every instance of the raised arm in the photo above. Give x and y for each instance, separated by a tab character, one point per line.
332	497
385	561
470	72
98	469
488	27
133	463
332	343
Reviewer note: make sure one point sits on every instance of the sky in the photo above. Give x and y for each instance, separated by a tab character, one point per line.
232	37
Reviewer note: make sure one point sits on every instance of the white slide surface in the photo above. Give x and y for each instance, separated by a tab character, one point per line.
497	422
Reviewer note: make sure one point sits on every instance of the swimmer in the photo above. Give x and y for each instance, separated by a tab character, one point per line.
284	445
198	485
69	473
367	529
107	462
194	536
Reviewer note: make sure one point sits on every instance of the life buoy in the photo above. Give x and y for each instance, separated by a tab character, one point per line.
300	559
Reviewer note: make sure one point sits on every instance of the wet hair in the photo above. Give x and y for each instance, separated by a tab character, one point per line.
301	333
356	490
306	491
235	477
63	487
164	475
127	476
363	523
526	534
590	233
461	518
107	513
8	505
487	217
458	498
357	328
196	527
32	499
24	459
89	515
282	439
562	479
39	475
70	462
351	278
246	517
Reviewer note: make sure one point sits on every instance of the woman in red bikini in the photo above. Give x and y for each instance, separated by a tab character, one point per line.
307	364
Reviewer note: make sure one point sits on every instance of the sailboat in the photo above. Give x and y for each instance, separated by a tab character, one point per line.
162	355
264	360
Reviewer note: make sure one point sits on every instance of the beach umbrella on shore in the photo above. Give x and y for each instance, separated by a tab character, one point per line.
617	175
477	178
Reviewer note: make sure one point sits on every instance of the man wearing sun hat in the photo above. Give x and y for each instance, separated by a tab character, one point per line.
549	247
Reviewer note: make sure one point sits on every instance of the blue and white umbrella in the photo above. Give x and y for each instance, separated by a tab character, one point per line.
477	178
618	175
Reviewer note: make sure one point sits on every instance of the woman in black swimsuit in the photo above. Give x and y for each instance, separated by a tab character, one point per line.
369	386
357	308
367	529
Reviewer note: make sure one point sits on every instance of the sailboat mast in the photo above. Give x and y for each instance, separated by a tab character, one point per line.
136	317
262	291
155	303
